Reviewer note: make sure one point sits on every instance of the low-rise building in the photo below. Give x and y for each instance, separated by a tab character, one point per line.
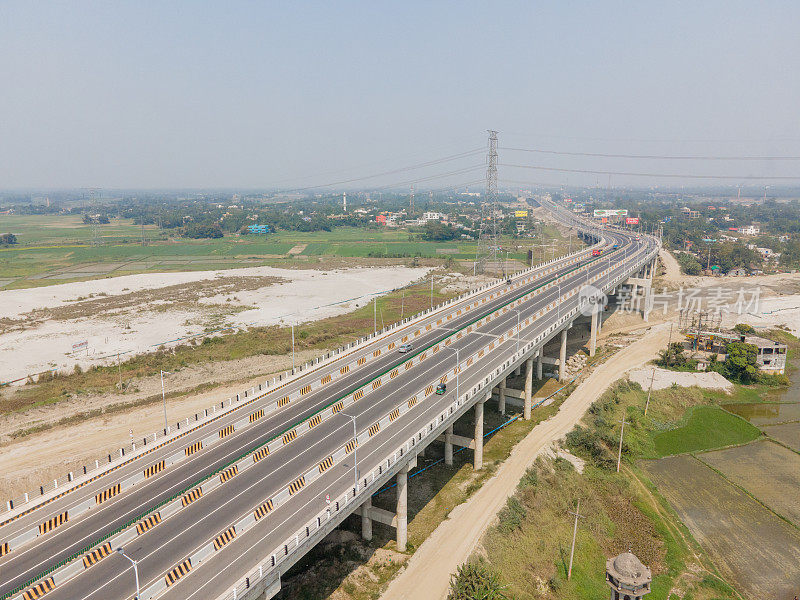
771	355
750	230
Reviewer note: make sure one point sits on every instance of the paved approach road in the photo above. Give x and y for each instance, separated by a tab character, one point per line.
224	504
223	570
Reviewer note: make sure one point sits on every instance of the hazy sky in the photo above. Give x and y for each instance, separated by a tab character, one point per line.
240	94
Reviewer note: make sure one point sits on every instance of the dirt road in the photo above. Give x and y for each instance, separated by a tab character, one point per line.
428	572
673	274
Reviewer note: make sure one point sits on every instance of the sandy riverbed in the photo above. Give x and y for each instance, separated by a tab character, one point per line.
40	325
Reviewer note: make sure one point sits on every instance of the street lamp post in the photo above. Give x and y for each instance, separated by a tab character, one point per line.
164	399
355	453
518	315
135	570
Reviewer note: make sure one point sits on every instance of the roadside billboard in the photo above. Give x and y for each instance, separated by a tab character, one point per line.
618	212
631	220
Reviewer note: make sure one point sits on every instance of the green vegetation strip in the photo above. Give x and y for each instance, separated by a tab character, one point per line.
249	452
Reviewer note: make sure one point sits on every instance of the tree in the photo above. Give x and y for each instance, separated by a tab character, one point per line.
203	230
7	239
476	581
689	264
439	232
744	328
741	364
672	356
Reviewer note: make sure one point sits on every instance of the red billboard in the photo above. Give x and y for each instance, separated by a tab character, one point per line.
631	220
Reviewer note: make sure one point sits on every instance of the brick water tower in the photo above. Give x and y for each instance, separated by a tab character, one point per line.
627	577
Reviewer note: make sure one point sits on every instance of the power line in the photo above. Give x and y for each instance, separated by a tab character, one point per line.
428	178
773	140
422	165
343	171
457	185
650	156
670	175
539	183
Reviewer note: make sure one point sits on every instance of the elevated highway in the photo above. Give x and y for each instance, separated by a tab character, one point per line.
231	504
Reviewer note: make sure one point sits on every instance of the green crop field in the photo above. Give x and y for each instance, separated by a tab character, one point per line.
703	428
52	230
58	248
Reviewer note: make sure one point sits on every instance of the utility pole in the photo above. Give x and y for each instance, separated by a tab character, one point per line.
431	290
375	315
650	389
621	433
292	348
574	535
669	343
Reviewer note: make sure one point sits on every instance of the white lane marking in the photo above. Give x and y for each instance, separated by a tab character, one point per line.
258	483
423	374
432	366
123	473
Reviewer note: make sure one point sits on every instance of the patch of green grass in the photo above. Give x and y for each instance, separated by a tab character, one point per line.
704	428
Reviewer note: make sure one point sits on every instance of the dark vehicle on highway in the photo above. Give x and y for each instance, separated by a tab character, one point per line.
441	388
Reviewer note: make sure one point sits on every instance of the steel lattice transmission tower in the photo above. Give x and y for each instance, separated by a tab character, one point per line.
488	240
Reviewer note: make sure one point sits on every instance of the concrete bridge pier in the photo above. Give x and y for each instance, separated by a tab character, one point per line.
562	357
539	366
448	447
501	396
366	519
526	410
593	332
402	508
477	463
